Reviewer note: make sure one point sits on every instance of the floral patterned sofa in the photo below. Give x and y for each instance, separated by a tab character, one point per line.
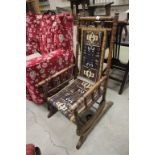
32	150
49	43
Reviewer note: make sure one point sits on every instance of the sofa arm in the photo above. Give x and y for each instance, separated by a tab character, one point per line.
47	65
39	69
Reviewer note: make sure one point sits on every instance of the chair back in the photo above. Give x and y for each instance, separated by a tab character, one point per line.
93	43
92	52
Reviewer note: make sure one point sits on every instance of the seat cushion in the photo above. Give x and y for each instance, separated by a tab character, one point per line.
65	100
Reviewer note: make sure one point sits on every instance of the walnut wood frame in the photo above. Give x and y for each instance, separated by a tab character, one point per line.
84	128
115	62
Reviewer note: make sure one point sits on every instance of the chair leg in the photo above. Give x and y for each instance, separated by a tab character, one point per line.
83	8
123	82
52	111
81	141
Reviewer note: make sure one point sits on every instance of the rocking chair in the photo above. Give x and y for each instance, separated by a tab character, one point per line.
83	100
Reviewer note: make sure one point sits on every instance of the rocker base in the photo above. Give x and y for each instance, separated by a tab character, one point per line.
87	128
52	111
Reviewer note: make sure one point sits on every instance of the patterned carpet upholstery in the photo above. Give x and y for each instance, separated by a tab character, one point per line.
65	100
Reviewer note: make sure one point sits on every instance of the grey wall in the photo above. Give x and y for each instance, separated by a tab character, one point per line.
65	3
116	2
58	3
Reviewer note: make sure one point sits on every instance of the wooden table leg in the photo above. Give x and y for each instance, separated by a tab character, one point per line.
52	110
83	8
108	10
71	3
91	11
124	81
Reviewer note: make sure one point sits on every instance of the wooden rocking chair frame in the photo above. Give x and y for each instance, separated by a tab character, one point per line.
84	128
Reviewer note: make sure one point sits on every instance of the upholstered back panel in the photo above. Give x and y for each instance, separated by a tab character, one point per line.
93	46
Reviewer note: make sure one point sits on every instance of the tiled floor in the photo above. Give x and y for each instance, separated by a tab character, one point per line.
57	136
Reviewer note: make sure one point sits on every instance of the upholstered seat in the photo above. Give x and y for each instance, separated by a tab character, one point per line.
65	100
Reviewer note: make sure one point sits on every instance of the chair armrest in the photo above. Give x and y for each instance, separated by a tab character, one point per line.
89	92
53	76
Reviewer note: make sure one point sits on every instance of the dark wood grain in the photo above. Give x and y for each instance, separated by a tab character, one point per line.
79	97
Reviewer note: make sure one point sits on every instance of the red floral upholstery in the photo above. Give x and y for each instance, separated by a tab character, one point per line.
47	34
65	99
64	34
40	68
57	32
30	149
54	39
32	33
